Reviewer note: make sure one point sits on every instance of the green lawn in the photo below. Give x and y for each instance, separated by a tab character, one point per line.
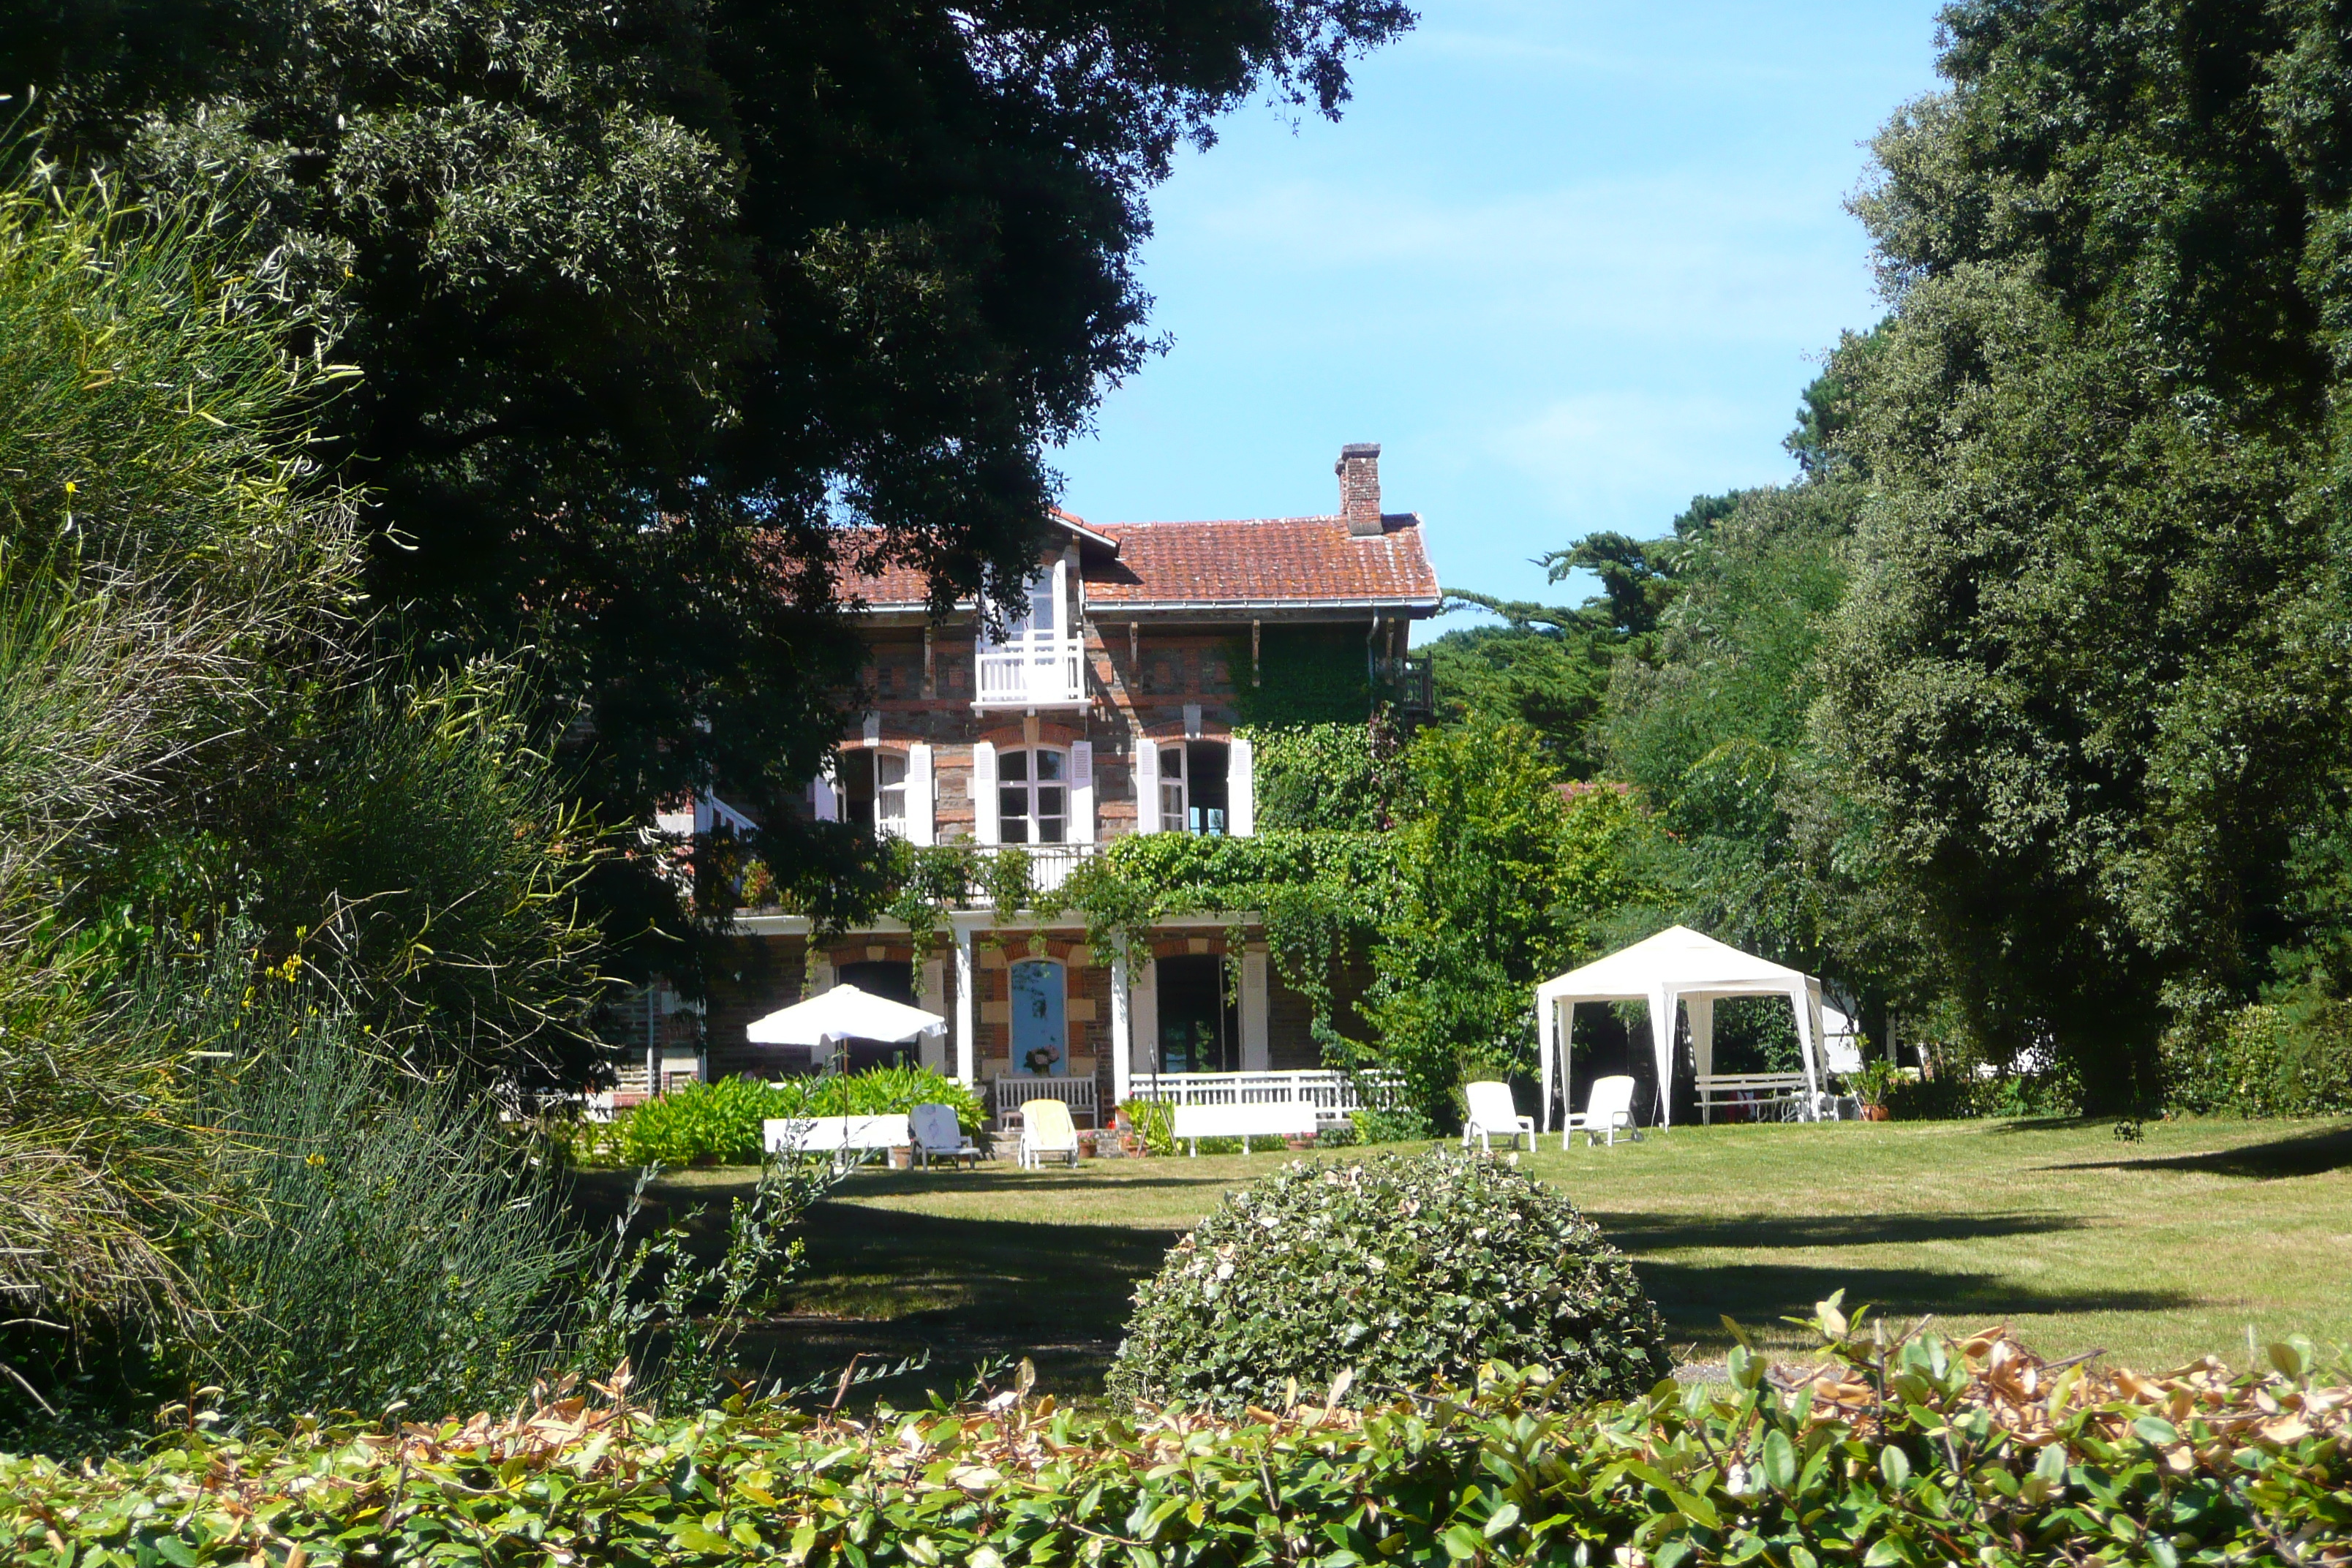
2155	1251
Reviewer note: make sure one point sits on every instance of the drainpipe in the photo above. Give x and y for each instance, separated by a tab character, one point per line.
1371	666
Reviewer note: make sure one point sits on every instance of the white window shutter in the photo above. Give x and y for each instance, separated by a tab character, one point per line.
1254	1013
1147	784
1240	789
823	800
984	792
922	811
1082	792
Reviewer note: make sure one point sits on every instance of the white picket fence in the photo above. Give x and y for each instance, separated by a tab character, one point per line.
1332	1094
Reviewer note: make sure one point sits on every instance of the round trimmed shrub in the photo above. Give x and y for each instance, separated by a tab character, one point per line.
1405	1268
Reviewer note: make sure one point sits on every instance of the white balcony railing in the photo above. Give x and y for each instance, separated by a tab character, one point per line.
1050	865
1036	674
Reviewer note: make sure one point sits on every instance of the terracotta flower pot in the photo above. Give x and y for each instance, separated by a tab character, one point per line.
1876	1113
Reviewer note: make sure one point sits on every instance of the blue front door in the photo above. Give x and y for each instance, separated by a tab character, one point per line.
1040	1038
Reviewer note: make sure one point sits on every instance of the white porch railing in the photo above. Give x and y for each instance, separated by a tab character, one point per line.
1332	1094
1032	674
1006	1095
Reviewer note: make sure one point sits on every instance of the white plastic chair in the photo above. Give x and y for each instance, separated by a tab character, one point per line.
939	1136
1493	1111
1608	1107
1046	1128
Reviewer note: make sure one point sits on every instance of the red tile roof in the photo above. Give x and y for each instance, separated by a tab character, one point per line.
1266	561
1269	562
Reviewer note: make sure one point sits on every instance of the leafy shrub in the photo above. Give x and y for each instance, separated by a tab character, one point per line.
2100	1469
1324	777
2264	1060
720	1121
1405	1268
1153	1122
377	1238
1392	1124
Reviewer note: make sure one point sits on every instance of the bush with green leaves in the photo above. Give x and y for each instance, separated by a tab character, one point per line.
380	1240
2267	1059
1402	1270
1950	1461
720	1121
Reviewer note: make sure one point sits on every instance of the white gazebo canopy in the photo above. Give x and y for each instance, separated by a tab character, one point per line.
843	1013
1677	967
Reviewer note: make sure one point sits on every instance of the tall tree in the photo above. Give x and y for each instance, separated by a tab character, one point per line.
654	298
2090	676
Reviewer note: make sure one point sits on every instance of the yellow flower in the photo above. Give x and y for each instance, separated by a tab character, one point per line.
315	1161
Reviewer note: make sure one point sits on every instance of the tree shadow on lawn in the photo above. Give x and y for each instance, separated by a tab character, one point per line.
2306	1155
1655	1232
888	1283
1695	1298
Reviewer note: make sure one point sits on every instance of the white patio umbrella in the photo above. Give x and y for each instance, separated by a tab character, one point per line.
1677	968
843	1013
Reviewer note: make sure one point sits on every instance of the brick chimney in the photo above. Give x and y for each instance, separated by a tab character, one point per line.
1360	487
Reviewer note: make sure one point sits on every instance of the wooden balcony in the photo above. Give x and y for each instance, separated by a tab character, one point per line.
1036	674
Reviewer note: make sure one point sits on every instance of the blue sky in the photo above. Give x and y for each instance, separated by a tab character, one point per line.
1570	263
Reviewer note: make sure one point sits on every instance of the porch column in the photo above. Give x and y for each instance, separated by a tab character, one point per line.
967	1045
1122	1030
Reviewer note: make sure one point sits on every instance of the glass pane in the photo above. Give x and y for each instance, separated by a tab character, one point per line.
1049	830
1015	830
1049	765
1171	807
1049	800
1043	603
889	768
1012	802
891	809
1171	761
1013	766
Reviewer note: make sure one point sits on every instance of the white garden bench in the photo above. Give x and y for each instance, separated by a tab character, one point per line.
1273	1119
848	1139
1766	1092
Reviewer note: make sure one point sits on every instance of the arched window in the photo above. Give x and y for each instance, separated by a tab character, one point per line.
1033	796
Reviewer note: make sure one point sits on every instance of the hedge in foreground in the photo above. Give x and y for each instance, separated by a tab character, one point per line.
1933	1453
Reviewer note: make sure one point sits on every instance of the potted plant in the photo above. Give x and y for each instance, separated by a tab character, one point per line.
1871	1087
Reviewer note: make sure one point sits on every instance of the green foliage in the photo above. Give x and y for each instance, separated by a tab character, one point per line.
1552	679
1153	1122
2087	680
1499	884
1307	677
2265	1059
720	1121
1324	778
1390	1124
1404	1270
378	1240
1738	1472
162	530
651	301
